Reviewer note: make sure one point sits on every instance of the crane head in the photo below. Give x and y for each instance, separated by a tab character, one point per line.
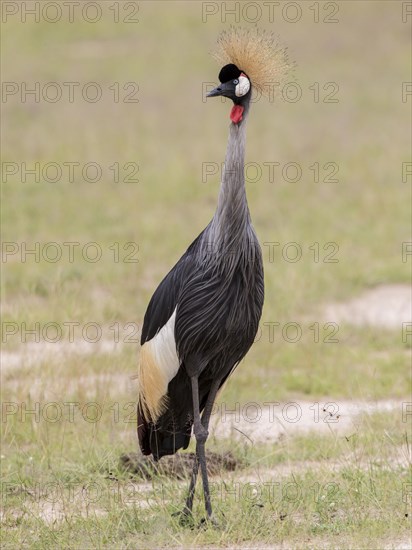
234	84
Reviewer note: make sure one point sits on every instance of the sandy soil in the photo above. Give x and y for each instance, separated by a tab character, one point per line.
386	306
258	423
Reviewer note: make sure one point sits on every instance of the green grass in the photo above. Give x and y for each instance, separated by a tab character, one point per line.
170	134
352	488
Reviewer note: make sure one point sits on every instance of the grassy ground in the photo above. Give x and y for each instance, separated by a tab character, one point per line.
351	491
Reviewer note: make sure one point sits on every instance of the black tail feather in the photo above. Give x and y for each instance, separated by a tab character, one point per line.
143	432
167	442
161	439
173	428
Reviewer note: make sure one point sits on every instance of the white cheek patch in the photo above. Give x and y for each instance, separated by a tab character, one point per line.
243	87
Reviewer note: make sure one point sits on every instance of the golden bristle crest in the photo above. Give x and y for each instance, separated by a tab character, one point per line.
258	53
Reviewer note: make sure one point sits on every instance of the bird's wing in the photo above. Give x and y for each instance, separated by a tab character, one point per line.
164	300
159	361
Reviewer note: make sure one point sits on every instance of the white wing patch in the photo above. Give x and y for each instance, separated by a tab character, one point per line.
242	87
158	364
163	348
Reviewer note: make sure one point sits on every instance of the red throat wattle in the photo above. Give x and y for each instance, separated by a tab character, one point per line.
236	113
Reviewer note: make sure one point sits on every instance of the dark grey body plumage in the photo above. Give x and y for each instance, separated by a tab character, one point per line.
217	318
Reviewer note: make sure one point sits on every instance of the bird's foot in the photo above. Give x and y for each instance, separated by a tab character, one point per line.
209	521
184	517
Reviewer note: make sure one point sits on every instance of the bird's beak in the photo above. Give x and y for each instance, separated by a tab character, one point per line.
223	89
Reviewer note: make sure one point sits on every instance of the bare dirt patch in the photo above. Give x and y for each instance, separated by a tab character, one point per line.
107	385
268	423
52	509
34	353
179	465
386	306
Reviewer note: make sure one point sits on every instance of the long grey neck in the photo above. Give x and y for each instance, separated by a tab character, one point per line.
232	213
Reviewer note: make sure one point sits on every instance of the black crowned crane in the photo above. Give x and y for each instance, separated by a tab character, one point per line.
204	315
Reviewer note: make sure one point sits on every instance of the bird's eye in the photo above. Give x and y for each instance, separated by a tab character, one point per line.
236	81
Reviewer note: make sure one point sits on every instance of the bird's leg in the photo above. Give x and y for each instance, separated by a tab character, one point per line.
201	434
209	403
198	429
202	430
189	501
205	422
